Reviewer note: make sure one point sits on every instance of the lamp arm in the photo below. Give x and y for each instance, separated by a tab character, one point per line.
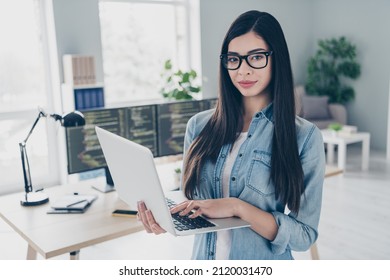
26	168
23	154
41	114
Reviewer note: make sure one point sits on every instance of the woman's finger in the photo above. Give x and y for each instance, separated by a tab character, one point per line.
142	216
191	205
196	213
152	223
179	207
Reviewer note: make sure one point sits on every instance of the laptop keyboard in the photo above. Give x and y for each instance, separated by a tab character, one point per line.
183	223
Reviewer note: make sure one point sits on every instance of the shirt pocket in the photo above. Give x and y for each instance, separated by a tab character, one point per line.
258	178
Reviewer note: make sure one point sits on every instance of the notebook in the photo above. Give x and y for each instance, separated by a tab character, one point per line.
72	203
136	179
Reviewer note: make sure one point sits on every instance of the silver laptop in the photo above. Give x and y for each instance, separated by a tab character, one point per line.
135	177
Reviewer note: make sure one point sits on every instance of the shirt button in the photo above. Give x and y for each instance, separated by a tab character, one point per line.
257	115
233	178
240	155
250	135
217	178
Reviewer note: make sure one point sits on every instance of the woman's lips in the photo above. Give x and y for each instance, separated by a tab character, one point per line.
246	84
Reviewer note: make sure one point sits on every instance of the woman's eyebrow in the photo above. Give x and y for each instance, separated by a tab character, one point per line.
257	50
249	52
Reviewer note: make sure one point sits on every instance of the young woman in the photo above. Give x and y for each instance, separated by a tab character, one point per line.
252	157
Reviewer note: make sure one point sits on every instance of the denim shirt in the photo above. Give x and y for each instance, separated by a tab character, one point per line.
250	182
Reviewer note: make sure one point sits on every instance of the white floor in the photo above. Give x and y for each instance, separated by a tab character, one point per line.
355	223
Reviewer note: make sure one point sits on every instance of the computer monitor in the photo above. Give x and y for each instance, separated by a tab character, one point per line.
160	127
142	126
172	122
137	123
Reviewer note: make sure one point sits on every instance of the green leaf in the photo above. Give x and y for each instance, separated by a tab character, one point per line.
186	77
349	69
193	74
194	89
168	65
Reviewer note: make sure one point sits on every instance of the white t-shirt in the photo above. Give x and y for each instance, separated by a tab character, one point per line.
224	237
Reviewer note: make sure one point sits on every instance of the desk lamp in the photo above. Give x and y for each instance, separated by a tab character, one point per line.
31	197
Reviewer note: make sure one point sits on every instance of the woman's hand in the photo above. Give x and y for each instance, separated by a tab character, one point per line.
212	208
261	221
146	217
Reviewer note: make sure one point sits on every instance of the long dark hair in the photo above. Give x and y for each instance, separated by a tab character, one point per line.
227	120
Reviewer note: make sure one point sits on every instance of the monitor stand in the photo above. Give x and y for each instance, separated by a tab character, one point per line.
109	186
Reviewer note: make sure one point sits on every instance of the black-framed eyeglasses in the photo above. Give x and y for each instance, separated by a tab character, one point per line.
255	60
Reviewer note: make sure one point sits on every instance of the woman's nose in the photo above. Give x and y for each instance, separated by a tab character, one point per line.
245	69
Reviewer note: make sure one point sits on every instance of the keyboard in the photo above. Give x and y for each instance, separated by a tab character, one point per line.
182	223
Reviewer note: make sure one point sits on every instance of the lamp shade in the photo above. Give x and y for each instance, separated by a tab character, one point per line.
72	119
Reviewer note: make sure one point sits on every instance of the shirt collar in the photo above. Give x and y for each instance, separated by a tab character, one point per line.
268	112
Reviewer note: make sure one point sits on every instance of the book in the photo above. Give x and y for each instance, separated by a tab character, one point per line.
79	69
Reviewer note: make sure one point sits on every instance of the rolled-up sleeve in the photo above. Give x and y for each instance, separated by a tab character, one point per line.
299	232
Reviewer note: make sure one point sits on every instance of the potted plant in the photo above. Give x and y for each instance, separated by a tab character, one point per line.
177	177
179	85
334	61
335	128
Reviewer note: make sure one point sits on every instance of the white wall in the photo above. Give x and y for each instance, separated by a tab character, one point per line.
78	30
388	127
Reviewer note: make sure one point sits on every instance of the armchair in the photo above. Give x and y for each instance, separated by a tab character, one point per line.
317	110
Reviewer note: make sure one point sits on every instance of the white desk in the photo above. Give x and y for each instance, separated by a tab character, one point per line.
342	141
51	235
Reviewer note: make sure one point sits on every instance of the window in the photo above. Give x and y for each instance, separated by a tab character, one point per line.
138	36
22	90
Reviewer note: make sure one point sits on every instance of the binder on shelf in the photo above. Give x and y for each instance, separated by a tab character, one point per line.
89	98
82	97
79	69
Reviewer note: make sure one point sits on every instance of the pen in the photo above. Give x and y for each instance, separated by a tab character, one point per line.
76	202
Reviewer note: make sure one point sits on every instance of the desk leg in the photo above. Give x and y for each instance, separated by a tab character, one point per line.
342	156
75	255
314	252
365	153
330	153
31	253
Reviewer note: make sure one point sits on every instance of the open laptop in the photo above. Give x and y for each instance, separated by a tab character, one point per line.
136	179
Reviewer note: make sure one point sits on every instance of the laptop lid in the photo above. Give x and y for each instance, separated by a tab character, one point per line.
135	177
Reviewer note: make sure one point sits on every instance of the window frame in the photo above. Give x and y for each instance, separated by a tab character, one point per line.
192	41
52	177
